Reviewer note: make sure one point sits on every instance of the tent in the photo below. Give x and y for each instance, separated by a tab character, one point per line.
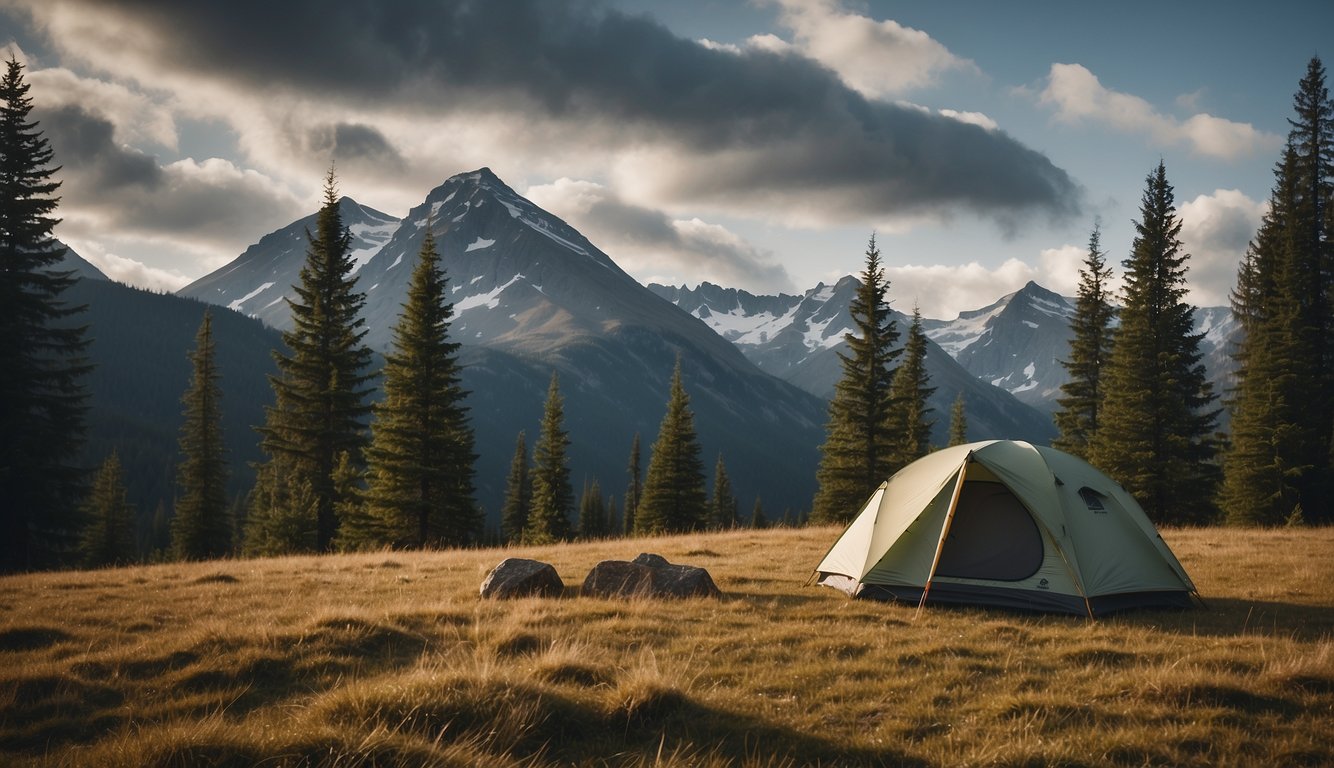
1006	523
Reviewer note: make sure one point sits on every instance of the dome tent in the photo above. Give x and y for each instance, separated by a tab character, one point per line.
1009	524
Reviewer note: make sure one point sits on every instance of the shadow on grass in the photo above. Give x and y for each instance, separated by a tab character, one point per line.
1233	617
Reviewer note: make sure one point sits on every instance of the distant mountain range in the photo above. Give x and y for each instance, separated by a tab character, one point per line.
533	296
1012	346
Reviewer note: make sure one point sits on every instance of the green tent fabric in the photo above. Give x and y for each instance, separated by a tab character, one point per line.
1010	524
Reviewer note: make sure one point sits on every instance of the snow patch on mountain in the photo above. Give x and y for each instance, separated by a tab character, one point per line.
235	306
479	244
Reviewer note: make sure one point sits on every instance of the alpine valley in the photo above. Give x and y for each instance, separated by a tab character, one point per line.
533	297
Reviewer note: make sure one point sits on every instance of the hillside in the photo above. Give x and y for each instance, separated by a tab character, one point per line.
391	659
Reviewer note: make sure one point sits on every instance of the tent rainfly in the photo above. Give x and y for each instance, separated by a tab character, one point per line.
1010	524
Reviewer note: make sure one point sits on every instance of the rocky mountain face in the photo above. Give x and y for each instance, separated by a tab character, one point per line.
531	297
256	283
798	339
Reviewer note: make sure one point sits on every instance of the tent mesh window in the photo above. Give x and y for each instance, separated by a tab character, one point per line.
1092	499
993	536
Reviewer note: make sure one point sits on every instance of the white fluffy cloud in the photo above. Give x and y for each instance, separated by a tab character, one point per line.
1078	96
1215	230
877	58
943	291
126	270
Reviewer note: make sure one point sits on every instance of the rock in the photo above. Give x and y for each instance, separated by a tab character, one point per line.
648	576
517	577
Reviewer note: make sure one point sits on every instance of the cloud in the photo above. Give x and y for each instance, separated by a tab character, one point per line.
655	247
1215	231
210	208
876	58
131	272
136	117
943	291
357	147
1077	96
544	83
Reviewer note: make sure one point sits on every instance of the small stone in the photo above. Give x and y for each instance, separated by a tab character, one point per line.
648	576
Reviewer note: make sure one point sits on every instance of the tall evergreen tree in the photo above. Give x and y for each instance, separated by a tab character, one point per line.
634	489
421	455
280	511
1156	430
108	534
674	499
42	400
1090	351
1277	461
592	512
757	519
201	530
723	504
553	498
855	457
909	392
518	495
958	422
321	387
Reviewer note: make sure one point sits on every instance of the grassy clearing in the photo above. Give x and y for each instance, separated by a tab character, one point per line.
391	658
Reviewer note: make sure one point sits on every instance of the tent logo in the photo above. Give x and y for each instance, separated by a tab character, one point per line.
1042	584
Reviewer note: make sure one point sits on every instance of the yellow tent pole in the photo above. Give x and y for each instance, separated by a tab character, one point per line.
944	531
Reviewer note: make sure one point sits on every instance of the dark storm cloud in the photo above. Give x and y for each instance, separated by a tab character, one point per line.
197	203
781	124
357	147
84	145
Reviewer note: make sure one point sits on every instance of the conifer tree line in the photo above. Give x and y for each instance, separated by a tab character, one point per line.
1137	404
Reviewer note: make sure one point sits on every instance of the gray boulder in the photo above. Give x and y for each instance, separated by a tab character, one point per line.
517	577
648	576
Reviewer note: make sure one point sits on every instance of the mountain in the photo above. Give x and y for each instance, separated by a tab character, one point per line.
79	266
798	338
532	296
1017	343
256	282
1013	343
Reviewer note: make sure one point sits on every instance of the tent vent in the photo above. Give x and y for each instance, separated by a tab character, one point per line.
1092	499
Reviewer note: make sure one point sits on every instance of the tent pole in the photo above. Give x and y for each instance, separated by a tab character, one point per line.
944	531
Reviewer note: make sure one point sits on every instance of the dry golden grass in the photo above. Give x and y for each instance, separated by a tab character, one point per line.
391	659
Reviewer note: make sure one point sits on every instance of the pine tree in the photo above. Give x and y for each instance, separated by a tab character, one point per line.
200	529
613	522
855	457
1155	435
321	386
42	400
280	512
518	495
1090	351
1277	461
674	499
635	489
723	505
359	529
553	498
909	392
421	454
592	512
757	519
108	534
958	422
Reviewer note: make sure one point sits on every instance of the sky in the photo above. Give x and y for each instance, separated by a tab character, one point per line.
756	145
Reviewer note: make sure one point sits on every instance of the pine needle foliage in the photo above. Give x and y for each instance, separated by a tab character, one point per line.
1156	432
1283	403
909	392
723	503
1090	351
959	421
518	494
859	438
635	488
42	362
674	499
321	388
108	534
553	498
201	528
421	456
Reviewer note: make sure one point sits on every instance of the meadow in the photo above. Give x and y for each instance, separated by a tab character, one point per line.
392	659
